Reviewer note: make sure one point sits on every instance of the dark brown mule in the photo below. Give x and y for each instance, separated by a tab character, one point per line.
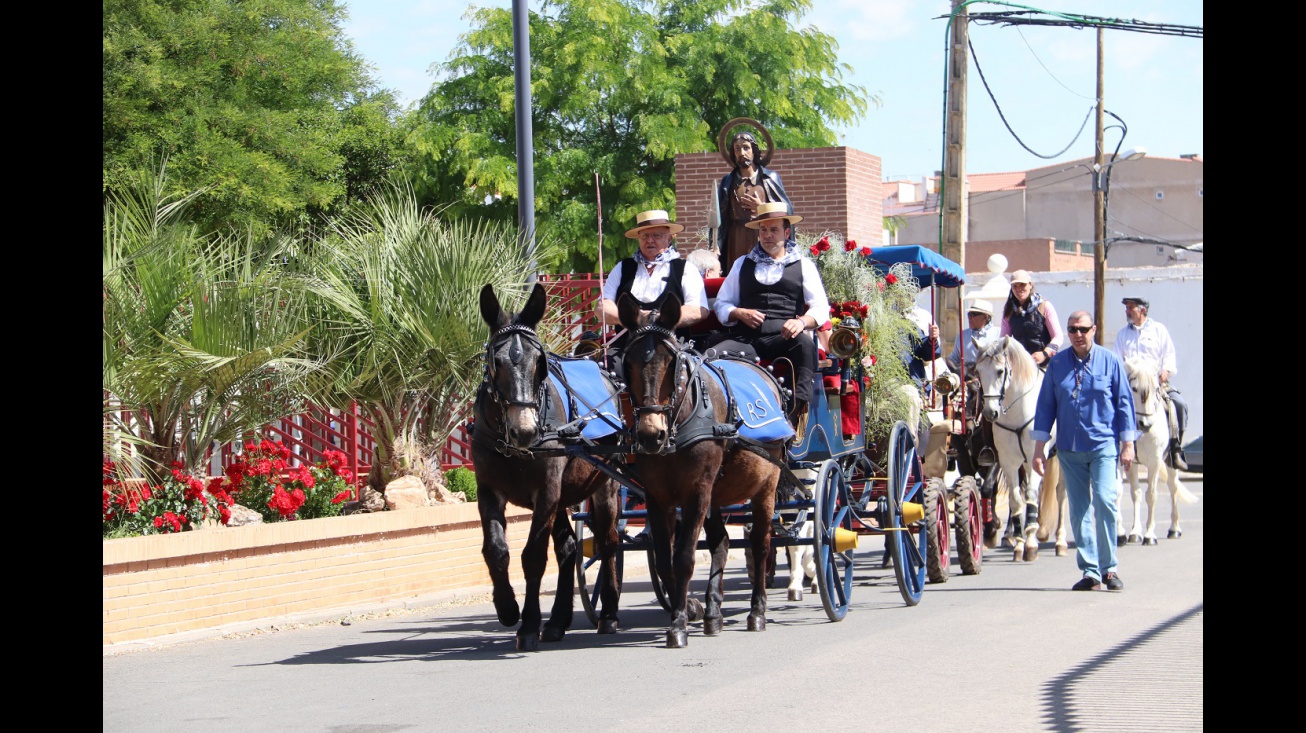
519	462
666	386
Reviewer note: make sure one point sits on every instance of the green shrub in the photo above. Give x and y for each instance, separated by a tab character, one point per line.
461	479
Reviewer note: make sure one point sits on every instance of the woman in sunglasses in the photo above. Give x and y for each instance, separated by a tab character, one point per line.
1030	319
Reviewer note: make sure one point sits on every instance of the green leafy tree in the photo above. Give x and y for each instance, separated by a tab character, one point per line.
263	105
398	305
619	88
203	334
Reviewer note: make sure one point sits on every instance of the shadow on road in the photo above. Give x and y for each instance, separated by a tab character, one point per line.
1063	695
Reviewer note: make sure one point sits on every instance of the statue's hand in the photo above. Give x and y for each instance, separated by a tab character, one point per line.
752	200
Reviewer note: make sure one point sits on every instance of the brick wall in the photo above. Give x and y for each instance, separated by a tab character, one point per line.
168	584
1036	255
831	188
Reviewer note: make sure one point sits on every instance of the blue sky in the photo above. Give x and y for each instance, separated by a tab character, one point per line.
1044	78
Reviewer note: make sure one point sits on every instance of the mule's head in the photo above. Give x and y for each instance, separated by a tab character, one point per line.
994	374
651	365
515	365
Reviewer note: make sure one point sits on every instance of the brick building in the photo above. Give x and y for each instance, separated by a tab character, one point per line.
839	189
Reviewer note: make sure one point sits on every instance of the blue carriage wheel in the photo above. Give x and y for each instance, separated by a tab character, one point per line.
906	541
590	585
833	540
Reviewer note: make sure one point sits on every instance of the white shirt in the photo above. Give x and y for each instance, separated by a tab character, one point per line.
818	304
985	336
1151	340
648	287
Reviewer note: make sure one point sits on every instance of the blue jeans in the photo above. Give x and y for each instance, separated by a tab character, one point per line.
1091	484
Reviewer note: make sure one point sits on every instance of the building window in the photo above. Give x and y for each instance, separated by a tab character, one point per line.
1065	245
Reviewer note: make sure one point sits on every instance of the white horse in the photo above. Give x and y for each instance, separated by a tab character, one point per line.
1149	450
1011	383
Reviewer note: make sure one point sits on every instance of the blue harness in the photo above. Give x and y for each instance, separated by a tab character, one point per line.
588	395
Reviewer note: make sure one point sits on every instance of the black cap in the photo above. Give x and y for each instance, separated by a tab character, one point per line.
1141	301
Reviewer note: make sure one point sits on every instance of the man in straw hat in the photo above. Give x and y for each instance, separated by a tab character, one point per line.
771	299
653	273
1144	336
979	329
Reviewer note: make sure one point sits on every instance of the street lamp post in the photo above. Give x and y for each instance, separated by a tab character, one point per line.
1101	200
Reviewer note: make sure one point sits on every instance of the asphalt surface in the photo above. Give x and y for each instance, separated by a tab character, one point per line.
1012	648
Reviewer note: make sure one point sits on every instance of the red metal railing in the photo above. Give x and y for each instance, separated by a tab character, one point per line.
319	429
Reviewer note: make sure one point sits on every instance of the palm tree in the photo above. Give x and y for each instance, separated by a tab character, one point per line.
203	335
400	326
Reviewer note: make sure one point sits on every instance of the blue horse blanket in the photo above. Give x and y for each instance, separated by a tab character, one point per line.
754	393
586	392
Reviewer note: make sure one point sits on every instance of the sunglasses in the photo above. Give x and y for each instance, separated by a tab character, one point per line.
1079	329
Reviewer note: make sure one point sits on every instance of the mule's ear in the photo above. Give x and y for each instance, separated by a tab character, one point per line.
669	316
628	311
534	309
491	312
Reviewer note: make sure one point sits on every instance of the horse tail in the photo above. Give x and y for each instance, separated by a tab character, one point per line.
1182	494
1048	511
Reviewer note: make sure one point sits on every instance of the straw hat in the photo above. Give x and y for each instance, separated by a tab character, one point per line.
772	210
980	306
652	219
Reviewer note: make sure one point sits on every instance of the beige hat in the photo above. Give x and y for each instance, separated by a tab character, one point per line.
980	306
772	210
652	219
1022	276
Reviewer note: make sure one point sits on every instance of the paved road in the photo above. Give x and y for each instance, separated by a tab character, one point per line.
1012	648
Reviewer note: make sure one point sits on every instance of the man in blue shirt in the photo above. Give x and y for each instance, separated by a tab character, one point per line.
1086	395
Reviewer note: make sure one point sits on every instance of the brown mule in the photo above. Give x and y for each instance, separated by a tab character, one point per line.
667	387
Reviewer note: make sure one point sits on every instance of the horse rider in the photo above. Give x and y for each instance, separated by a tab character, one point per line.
980	330
770	301
1144	336
1030	318
655	272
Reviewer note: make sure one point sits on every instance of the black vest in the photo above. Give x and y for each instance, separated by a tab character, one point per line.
779	302
628	269
1030	330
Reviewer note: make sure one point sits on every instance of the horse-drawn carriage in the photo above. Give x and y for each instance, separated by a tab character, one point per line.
702	441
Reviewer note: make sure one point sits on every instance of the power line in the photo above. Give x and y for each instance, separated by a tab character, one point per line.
1003	117
1071	20
1045	68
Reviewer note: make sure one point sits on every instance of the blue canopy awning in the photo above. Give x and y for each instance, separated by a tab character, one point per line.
928	267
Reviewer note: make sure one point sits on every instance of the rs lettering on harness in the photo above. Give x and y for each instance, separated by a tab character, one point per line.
757	408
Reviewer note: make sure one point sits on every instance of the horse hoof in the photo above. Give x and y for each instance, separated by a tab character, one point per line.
1135	538
712	626
551	633
1031	551
528	642
1149	541
694	609
1122	540
990	542
1018	555
770	581
1174	534
756	623
1063	550
608	626
677	639
508	611
795	594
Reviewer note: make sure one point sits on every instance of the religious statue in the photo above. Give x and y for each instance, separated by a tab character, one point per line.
748	184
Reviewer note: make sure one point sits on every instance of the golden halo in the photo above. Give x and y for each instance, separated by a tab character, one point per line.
727	155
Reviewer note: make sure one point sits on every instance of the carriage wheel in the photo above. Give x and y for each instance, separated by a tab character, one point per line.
969	520
664	598
905	484
834	568
938	538
589	578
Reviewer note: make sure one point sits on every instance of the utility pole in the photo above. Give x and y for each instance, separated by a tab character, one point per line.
953	196
521	41
1099	210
